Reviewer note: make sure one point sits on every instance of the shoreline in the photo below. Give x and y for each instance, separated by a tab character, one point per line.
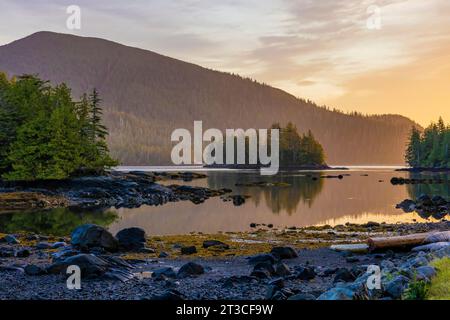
234	266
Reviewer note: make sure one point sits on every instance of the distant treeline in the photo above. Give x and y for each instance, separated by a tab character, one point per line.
299	150
44	134
430	148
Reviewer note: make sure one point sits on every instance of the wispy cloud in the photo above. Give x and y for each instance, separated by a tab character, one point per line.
320	50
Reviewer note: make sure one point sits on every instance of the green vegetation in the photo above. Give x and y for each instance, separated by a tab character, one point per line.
44	134
299	150
440	285
430	148
417	290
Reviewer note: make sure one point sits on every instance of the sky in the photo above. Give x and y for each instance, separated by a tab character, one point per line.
370	56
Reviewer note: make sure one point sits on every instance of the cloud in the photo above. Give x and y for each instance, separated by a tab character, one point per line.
315	49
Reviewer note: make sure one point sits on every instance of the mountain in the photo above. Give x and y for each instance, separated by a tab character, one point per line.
147	95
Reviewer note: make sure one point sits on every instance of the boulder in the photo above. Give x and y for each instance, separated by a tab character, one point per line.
43	246
190	269
34	270
425	273
90	265
265	267
262	258
284	252
344	275
131	239
10	239
306	273
164	273
216	244
432	246
438	237
188	250
90	235
282	269
23	253
396	287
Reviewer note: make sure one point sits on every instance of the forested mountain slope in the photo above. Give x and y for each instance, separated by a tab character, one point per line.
147	95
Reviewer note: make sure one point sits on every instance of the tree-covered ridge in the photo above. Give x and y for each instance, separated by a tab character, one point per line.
430	148
299	150
44	134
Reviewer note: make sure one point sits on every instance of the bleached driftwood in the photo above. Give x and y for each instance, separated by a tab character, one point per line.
397	241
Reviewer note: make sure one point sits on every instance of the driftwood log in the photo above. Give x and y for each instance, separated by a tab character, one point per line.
397	241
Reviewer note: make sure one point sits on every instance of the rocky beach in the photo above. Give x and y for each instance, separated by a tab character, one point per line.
291	264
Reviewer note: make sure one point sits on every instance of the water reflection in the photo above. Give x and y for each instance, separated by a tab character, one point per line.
57	222
441	189
363	196
298	188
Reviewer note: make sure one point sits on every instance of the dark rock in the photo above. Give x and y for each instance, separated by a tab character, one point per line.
190	269
305	273
58	245
230	282
329	271
34	270
10	239
371	224
89	265
89	235
260	274
262	258
163	255
282	269
188	250
131	239
216	244
166	272
425	273
302	296
43	246
343	275
284	252
252	225
265	267
270	292
23	253
396	287
278	282
63	253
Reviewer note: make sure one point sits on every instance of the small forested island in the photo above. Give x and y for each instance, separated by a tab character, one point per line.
296	151
430	149
45	135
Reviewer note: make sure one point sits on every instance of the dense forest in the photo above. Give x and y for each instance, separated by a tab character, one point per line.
430	148
44	134
147	96
299	150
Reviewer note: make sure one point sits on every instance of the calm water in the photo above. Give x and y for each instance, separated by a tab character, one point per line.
365	195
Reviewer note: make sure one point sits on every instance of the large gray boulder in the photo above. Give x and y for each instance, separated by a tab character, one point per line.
89	265
131	239
90	236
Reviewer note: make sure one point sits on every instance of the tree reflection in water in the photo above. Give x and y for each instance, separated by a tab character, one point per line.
56	222
279	198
